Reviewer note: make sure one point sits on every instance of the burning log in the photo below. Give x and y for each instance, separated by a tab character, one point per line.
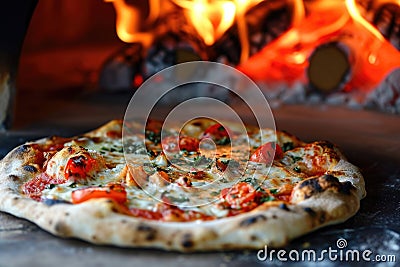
386	96
387	20
169	50
120	69
328	68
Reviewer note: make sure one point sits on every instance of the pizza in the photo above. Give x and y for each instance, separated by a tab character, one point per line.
205	186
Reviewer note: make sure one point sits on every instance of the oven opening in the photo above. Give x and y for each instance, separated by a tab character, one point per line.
343	53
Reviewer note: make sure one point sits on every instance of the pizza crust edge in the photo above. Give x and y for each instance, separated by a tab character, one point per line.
320	201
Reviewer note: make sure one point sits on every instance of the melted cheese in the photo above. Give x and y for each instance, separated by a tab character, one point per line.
203	195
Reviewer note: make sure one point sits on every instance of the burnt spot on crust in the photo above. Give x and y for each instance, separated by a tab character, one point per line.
252	220
325	144
310	211
316	185
29	168
187	241
312	185
346	187
51	202
62	229
150	232
23	149
322	217
13	177
284	207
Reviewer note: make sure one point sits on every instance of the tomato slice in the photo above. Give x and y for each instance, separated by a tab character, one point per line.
115	192
175	143
79	166
241	196
218	133
114	134
265	153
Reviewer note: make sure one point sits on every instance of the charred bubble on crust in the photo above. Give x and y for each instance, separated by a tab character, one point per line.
330	178
187	241
149	231
252	220
346	187
30	168
310	187
283	206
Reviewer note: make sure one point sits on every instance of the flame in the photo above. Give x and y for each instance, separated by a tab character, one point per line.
211	19
284	60
129	22
355	14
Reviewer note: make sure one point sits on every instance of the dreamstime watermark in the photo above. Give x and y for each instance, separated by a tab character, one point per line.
337	253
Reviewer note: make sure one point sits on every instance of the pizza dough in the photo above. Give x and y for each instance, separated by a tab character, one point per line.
308	186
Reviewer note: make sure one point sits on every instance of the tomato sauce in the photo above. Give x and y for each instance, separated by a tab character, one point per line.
34	187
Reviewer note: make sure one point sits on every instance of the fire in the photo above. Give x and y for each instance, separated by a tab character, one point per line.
210	19
285	59
130	21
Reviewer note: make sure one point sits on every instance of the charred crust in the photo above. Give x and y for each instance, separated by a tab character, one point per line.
62	228
325	144
322	218
29	168
149	231
252	220
310	187
283	206
311	183
313	186
310	211
13	177
187	241
23	149
330	178
346	187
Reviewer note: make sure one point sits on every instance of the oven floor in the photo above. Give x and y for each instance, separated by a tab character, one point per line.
370	140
